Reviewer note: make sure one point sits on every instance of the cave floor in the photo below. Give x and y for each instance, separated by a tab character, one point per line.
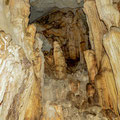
70	95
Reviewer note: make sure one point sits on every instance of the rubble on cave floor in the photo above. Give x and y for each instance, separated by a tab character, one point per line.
68	97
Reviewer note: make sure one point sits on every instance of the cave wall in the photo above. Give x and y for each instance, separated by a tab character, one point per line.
104	21
21	63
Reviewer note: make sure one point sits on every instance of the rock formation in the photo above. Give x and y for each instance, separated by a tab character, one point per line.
58	42
20	75
107	77
59	60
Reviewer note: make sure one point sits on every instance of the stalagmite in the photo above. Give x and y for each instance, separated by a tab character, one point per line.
106	86
59	61
92	71
107	72
102	91
90	89
108	13
91	64
111	43
68	28
97	28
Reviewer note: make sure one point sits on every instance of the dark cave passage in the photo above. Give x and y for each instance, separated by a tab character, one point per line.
68	27
65	36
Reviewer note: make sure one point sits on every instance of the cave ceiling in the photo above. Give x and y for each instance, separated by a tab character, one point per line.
42	7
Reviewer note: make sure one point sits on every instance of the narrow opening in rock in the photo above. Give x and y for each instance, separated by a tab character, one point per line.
69	28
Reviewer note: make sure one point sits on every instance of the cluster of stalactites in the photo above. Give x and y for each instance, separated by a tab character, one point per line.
103	62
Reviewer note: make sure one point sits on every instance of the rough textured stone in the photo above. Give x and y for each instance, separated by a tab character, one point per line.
108	13
42	7
105	79
16	79
23	91
21	64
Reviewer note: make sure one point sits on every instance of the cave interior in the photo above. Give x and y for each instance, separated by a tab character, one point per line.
59	60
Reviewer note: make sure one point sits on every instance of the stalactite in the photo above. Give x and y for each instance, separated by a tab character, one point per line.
68	28
104	79
96	27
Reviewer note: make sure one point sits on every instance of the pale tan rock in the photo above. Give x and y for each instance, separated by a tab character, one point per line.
27	76
106	86
104	79
107	72
111	43
21	64
14	21
34	105
14	14
91	64
15	18
108	13
59	61
102	91
39	59
29	42
16	79
52	112
74	85
96	27
34	108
